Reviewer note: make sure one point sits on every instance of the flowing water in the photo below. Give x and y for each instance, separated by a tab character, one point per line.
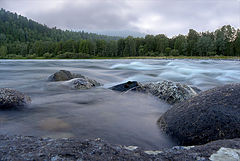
58	111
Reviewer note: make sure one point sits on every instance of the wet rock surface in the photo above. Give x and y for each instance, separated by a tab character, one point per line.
126	86
171	92
34	148
81	83
12	99
212	115
75	81
64	75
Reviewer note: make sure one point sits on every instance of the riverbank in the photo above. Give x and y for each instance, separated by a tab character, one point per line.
35	148
146	57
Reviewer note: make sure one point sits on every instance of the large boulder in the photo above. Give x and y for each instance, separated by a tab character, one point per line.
76	81
171	92
212	115
10	98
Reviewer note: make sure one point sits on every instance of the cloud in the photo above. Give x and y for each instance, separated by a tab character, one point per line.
177	16
170	17
94	15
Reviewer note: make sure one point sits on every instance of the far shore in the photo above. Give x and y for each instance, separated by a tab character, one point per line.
141	57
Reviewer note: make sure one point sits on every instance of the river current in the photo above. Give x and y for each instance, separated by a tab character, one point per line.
58	111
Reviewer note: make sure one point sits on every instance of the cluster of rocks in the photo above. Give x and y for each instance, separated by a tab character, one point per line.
76	81
34	148
171	92
168	91
13	99
196	117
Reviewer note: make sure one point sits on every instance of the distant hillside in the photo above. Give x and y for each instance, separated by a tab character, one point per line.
24	38
14	27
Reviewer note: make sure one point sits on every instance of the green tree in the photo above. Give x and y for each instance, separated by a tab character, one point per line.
84	47
180	44
205	45
168	51
192	39
150	43
101	46
3	51
220	42
130	47
162	42
237	43
174	52
120	46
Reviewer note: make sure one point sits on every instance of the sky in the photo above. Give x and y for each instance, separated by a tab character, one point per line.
170	17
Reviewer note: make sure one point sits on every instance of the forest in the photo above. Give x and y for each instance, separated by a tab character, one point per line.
21	37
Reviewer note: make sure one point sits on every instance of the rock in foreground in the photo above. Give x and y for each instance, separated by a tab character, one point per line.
34	148
76	81
212	115
10	98
171	92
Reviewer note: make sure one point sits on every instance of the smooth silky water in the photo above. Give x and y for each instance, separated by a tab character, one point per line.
58	111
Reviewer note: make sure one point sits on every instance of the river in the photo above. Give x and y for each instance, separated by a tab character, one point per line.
58	111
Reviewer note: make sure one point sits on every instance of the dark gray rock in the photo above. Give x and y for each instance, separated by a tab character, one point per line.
125	86
64	75
76	81
171	92
34	148
212	115
10	98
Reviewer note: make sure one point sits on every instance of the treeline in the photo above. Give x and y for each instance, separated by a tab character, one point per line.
23	38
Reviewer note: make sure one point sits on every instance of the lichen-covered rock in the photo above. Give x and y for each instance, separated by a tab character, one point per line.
171	92
76	81
82	83
10	98
212	115
64	75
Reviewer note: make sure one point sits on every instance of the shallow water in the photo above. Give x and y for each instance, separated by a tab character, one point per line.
58	111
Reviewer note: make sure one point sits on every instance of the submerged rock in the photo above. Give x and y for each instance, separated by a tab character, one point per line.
53	124
35	148
10	98
76	81
212	115
171	92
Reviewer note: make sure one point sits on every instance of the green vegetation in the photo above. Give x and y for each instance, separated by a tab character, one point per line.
21	38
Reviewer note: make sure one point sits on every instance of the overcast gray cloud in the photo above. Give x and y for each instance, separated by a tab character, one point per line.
170	17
